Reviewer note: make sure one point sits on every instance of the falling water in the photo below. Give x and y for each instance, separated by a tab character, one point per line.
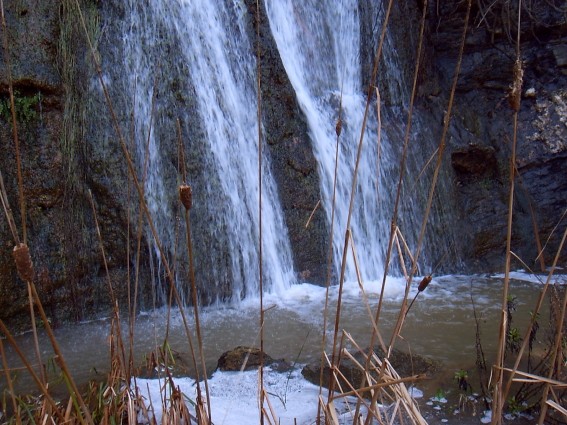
319	46
220	64
199	51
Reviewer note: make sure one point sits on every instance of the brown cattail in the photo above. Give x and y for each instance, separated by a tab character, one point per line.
339	127
23	261
186	195
424	282
515	94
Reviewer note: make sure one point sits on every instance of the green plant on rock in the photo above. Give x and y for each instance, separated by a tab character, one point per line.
25	106
439	394
462	376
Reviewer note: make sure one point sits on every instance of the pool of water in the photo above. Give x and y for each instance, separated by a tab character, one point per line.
440	325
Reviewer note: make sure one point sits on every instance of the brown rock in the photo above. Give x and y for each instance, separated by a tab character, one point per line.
475	160
404	364
242	358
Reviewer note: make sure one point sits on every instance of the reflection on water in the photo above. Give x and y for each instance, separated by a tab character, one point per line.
440	325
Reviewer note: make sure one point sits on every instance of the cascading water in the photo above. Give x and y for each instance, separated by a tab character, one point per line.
219	61
193	61
319	46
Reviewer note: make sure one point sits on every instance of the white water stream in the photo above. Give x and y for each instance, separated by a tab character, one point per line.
319	44
220	60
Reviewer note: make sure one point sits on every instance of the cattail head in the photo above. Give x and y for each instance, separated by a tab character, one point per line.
424	282
186	196
23	262
515	95
339	127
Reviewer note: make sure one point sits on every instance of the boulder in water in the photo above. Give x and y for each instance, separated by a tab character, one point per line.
405	365
248	358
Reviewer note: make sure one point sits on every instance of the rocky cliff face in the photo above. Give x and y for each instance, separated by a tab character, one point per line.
481	133
50	70
293	163
68	145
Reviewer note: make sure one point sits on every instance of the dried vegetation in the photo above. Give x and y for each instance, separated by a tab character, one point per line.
116	400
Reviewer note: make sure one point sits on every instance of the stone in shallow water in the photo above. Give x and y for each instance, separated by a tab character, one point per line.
249	357
404	364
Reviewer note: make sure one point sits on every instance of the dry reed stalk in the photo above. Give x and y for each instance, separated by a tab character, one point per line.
531	378
9	382
420	174
539	247
186	196
330	255
384	383
402	259
272	415
557	407
7	211
549	384
386	373
312	213
24	266
364	296
371	88
132	172
498	392
40	385
334	352
394	225
407	250
536	310
378	140
554	229
331	417
442	145
556	357
114	302
140	222
15	138
61	361
34	333
354	179
260	235
131	301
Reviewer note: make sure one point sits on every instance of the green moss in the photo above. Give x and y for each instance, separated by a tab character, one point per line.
25	106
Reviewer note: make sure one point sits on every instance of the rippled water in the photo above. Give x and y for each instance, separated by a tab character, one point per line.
440	325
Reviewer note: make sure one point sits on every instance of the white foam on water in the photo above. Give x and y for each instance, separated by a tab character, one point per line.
525	276
307	298
234	396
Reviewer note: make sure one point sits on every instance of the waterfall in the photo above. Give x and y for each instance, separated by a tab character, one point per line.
215	55
320	47
194	61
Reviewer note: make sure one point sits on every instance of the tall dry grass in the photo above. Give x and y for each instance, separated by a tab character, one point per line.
117	399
